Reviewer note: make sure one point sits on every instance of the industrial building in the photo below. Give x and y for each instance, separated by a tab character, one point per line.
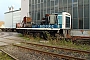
79	9
11	18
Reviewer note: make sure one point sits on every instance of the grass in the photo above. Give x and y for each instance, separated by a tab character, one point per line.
69	44
29	38
20	35
4	56
59	43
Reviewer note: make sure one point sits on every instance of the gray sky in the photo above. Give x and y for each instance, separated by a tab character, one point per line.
4	4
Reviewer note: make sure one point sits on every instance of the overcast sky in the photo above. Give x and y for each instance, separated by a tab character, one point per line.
4	4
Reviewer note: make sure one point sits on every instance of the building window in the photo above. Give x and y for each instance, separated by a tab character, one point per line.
35	1
75	18
38	1
86	1
32	7
69	3
80	13
48	3
86	23
38	16
29	1
32	1
75	24
38	6
41	5
52	3
86	17
80	23
65	3
56	2
41	14
41	0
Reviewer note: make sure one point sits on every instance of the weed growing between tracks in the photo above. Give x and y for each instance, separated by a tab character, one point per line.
69	44
60	43
20	35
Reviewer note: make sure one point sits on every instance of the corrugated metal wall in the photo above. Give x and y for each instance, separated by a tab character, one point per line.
11	18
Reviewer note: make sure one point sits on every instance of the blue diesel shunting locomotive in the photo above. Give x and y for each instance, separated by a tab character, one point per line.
55	20
56	24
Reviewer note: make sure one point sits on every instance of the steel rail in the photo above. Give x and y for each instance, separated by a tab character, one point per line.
9	55
58	48
52	54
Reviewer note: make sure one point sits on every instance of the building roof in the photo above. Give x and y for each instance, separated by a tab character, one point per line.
11	11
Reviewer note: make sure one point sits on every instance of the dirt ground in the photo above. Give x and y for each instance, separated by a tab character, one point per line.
7	38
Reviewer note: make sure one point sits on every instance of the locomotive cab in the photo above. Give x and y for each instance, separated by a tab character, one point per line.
58	20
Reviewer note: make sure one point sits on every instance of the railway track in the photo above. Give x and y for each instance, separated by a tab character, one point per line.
49	54
54	52
9	55
78	54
